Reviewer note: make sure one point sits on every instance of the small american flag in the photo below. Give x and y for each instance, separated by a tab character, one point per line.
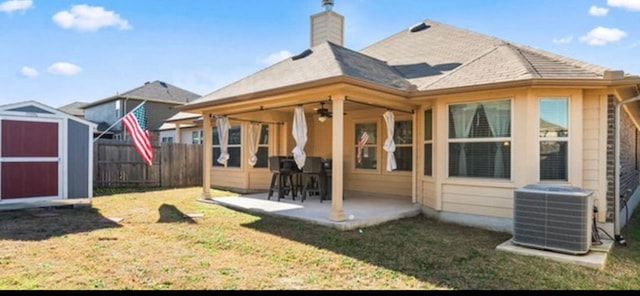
363	141
136	123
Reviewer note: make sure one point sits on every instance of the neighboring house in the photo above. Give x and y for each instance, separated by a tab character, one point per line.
161	102
75	109
183	128
46	157
476	118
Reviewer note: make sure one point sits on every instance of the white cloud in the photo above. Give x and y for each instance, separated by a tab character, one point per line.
634	45
598	11
276	57
602	36
628	4
15	5
29	72
89	19
563	40
63	68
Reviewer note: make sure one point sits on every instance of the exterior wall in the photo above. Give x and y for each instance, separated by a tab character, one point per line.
629	175
595	150
487	202
78	160
106	113
379	181
247	179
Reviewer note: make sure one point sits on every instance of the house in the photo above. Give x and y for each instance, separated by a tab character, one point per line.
473	119
183	127
37	140
161	99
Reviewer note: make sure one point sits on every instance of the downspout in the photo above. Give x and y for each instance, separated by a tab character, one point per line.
616	195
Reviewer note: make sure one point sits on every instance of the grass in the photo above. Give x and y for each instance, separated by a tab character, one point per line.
156	246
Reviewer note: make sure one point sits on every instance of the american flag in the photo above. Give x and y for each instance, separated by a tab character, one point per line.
363	140
136	124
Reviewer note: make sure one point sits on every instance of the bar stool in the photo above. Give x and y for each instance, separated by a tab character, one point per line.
314	178
281	178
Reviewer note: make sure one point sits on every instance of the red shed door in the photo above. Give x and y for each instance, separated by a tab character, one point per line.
29	159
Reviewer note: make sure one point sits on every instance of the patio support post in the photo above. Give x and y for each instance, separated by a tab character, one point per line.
337	176
207	151
178	133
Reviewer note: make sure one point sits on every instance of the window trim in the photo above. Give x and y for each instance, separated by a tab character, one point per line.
213	146
426	141
566	139
410	145
354	147
509	139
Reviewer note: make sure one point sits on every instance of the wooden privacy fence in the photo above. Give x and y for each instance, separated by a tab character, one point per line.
118	164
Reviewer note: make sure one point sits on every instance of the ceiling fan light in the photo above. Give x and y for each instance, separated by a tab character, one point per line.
322	118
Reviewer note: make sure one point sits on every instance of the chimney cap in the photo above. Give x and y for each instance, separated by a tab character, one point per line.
327	4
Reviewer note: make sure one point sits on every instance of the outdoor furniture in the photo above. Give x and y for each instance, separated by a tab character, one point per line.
282	172
314	178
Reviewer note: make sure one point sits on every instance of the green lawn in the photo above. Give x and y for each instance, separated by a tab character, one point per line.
157	246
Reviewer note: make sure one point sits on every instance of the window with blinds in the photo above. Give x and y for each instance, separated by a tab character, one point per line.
480	140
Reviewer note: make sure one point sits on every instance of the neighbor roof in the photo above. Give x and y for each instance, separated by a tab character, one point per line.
156	91
75	108
427	57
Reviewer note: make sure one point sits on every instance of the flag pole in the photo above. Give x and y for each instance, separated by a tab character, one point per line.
118	121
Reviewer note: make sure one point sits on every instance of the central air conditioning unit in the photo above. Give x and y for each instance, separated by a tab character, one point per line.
554	218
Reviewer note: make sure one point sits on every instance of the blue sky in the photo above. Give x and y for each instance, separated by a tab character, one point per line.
57	52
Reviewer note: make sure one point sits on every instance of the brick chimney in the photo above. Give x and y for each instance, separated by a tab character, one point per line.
327	26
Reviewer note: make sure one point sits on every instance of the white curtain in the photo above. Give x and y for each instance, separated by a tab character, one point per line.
462	120
389	145
499	118
299	132
255	130
222	124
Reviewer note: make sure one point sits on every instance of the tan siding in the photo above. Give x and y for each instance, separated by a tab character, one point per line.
259	180
397	185
228	178
429	194
477	200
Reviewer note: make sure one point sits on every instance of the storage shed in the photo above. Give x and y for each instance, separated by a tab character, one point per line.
46	157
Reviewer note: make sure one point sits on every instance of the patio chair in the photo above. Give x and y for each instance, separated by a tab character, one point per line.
314	178
281	177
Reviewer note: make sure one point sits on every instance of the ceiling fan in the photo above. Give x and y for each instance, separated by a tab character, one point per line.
323	112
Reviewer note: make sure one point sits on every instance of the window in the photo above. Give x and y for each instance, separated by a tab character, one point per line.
168	140
233	148
403	138
263	148
428	142
480	140
197	137
366	146
554	139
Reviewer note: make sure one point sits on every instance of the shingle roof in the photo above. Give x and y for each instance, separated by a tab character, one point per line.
154	91
323	61
437	57
74	108
442	56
